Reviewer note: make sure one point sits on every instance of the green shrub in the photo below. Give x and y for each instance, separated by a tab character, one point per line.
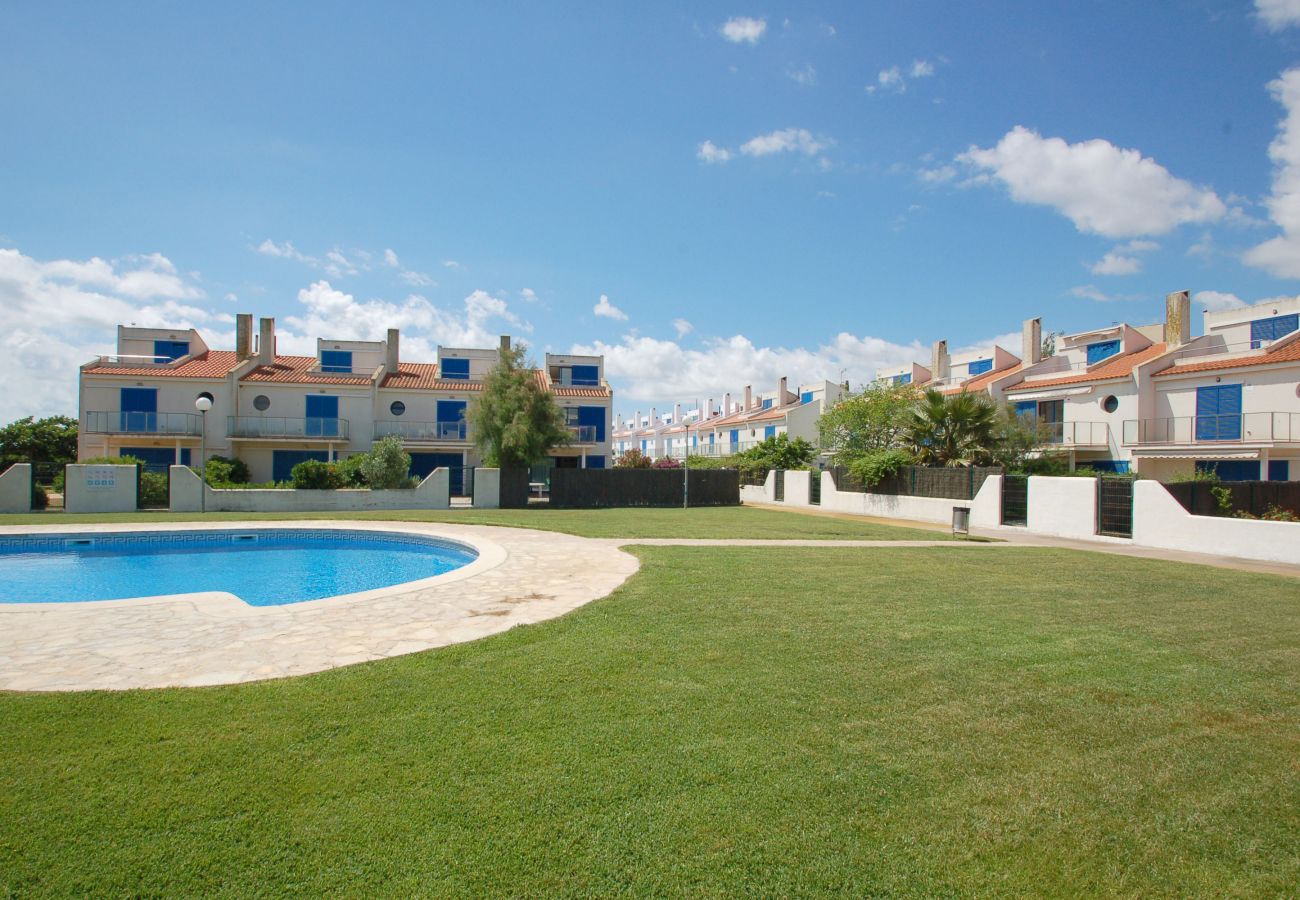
314	475
387	465
233	469
632	459
350	470
875	466
40	499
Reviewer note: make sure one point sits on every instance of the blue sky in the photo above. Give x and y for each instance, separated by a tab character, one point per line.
756	190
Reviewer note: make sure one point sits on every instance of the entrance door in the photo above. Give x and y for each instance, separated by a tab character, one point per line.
139	410
422	464
322	416
1218	412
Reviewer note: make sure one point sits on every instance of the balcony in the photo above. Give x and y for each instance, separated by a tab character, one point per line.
430	432
1237	428
1075	434
279	428
172	424
583	434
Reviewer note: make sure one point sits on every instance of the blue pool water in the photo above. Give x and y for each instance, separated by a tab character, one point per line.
266	567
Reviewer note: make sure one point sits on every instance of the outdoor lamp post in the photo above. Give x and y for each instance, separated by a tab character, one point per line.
203	404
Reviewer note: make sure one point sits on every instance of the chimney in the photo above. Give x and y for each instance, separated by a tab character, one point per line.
726	404
243	336
677	413
1178	318
1031	342
939	363
654	418
748	398
780	392
266	342
637	423
391	351
505	343
708	410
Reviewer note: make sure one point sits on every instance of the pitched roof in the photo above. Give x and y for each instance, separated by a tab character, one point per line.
424	377
298	370
981	381
1287	353
211	364
1119	367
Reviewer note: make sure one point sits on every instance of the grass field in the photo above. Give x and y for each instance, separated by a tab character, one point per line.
816	721
714	522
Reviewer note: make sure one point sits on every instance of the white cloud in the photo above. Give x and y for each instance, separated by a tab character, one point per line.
711	153
938	175
805	76
417	279
894	79
337	265
782	141
648	370
1281	255
529	295
391	259
286	250
1278	14
1090	292
608	310
1216	300
62	313
451	264
1123	260
1101	188
921	68
743	30
891	79
682	327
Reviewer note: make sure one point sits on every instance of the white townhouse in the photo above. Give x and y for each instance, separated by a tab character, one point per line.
275	411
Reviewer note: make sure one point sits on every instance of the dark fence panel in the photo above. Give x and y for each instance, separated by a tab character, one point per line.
1254	497
595	488
514	488
919	481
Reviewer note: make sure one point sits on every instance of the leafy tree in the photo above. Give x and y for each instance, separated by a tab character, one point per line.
778	452
875	466
387	465
961	430
52	439
515	422
874	420
632	459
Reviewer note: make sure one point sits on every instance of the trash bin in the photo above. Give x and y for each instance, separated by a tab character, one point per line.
961	520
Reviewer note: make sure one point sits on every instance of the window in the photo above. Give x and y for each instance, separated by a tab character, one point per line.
205	395
585	376
806	397
397	407
139	409
979	366
170	351
457	369
767	404
338	361
1027	408
1101	350
769	431
261	403
902	379
1230	469
1272	329
1279	470
322	416
1218	413
1110	404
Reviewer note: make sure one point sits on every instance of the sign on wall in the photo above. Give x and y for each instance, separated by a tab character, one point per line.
102	478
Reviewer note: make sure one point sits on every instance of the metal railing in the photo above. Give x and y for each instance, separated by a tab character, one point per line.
423	431
136	361
583	434
1076	434
1234	428
143	423
280	427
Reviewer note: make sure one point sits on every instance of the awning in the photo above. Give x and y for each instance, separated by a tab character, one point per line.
1207	453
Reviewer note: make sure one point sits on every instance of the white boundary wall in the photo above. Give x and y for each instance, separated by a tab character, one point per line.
1160	521
756	494
1063	507
16	489
433	493
985	507
99	489
487	489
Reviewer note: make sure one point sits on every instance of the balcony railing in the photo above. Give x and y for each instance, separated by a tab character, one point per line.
583	434
422	431
1076	434
277	427
143	423
1262	427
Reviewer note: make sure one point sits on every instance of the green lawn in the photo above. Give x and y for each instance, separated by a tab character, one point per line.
705	522
816	721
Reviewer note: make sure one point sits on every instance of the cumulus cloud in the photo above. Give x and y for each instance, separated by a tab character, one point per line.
682	327
895	78
61	313
608	310
1278	14
646	369
805	76
391	259
1101	188
743	30
1090	292
286	250
1216	300
1281	255
785	140
1123	260
711	153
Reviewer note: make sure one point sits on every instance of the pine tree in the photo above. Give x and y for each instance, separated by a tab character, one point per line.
514	421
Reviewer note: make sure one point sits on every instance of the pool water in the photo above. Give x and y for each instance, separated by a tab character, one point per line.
266	567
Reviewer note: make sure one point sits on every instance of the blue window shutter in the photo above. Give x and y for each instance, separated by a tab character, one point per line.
322	413
139	409
769	431
1027	407
979	366
586	376
338	361
712	435
156	459
171	350
595	462
1101	350
1273	328
457	369
451	411
1230	414
593	417
1279	470
903	379
735	435
767	404
806	397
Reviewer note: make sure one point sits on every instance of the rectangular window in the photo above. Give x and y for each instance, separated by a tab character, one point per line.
457	369
806	397
1218	412
156	459
322	416
1230	469
592	420
979	366
735	436
767	404
338	361
283	461
902	379
139	410
595	462
1027	408
586	376
168	351
1279	470
1101	350
1272	329
769	431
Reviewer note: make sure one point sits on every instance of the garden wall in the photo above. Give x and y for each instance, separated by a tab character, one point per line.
918	509
1160	521
16	489
432	493
100	489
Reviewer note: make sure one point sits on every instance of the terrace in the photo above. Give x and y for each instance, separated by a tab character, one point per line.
154	423
281	428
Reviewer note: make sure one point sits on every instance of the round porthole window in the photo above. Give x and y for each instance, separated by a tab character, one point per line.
261	403
204	395
397	408
1110	404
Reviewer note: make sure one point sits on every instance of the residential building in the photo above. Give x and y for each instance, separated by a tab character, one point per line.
274	411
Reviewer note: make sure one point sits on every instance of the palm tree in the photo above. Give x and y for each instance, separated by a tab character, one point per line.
960	430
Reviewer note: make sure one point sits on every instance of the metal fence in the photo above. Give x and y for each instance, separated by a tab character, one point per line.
1254	497
920	481
596	488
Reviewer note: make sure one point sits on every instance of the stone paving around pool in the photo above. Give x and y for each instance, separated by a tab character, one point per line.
521	577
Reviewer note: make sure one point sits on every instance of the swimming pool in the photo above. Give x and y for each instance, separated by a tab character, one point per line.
263	567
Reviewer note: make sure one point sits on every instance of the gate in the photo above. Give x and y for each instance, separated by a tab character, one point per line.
778	483
1015	500
1115	506
152	486
815	487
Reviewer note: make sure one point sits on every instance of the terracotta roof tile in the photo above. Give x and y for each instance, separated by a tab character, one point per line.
297	370
1120	367
424	377
981	381
212	364
1287	353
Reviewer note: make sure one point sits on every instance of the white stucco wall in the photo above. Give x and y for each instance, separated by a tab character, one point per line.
16	489
432	493
100	489
1065	507
487	488
797	487
1160	521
